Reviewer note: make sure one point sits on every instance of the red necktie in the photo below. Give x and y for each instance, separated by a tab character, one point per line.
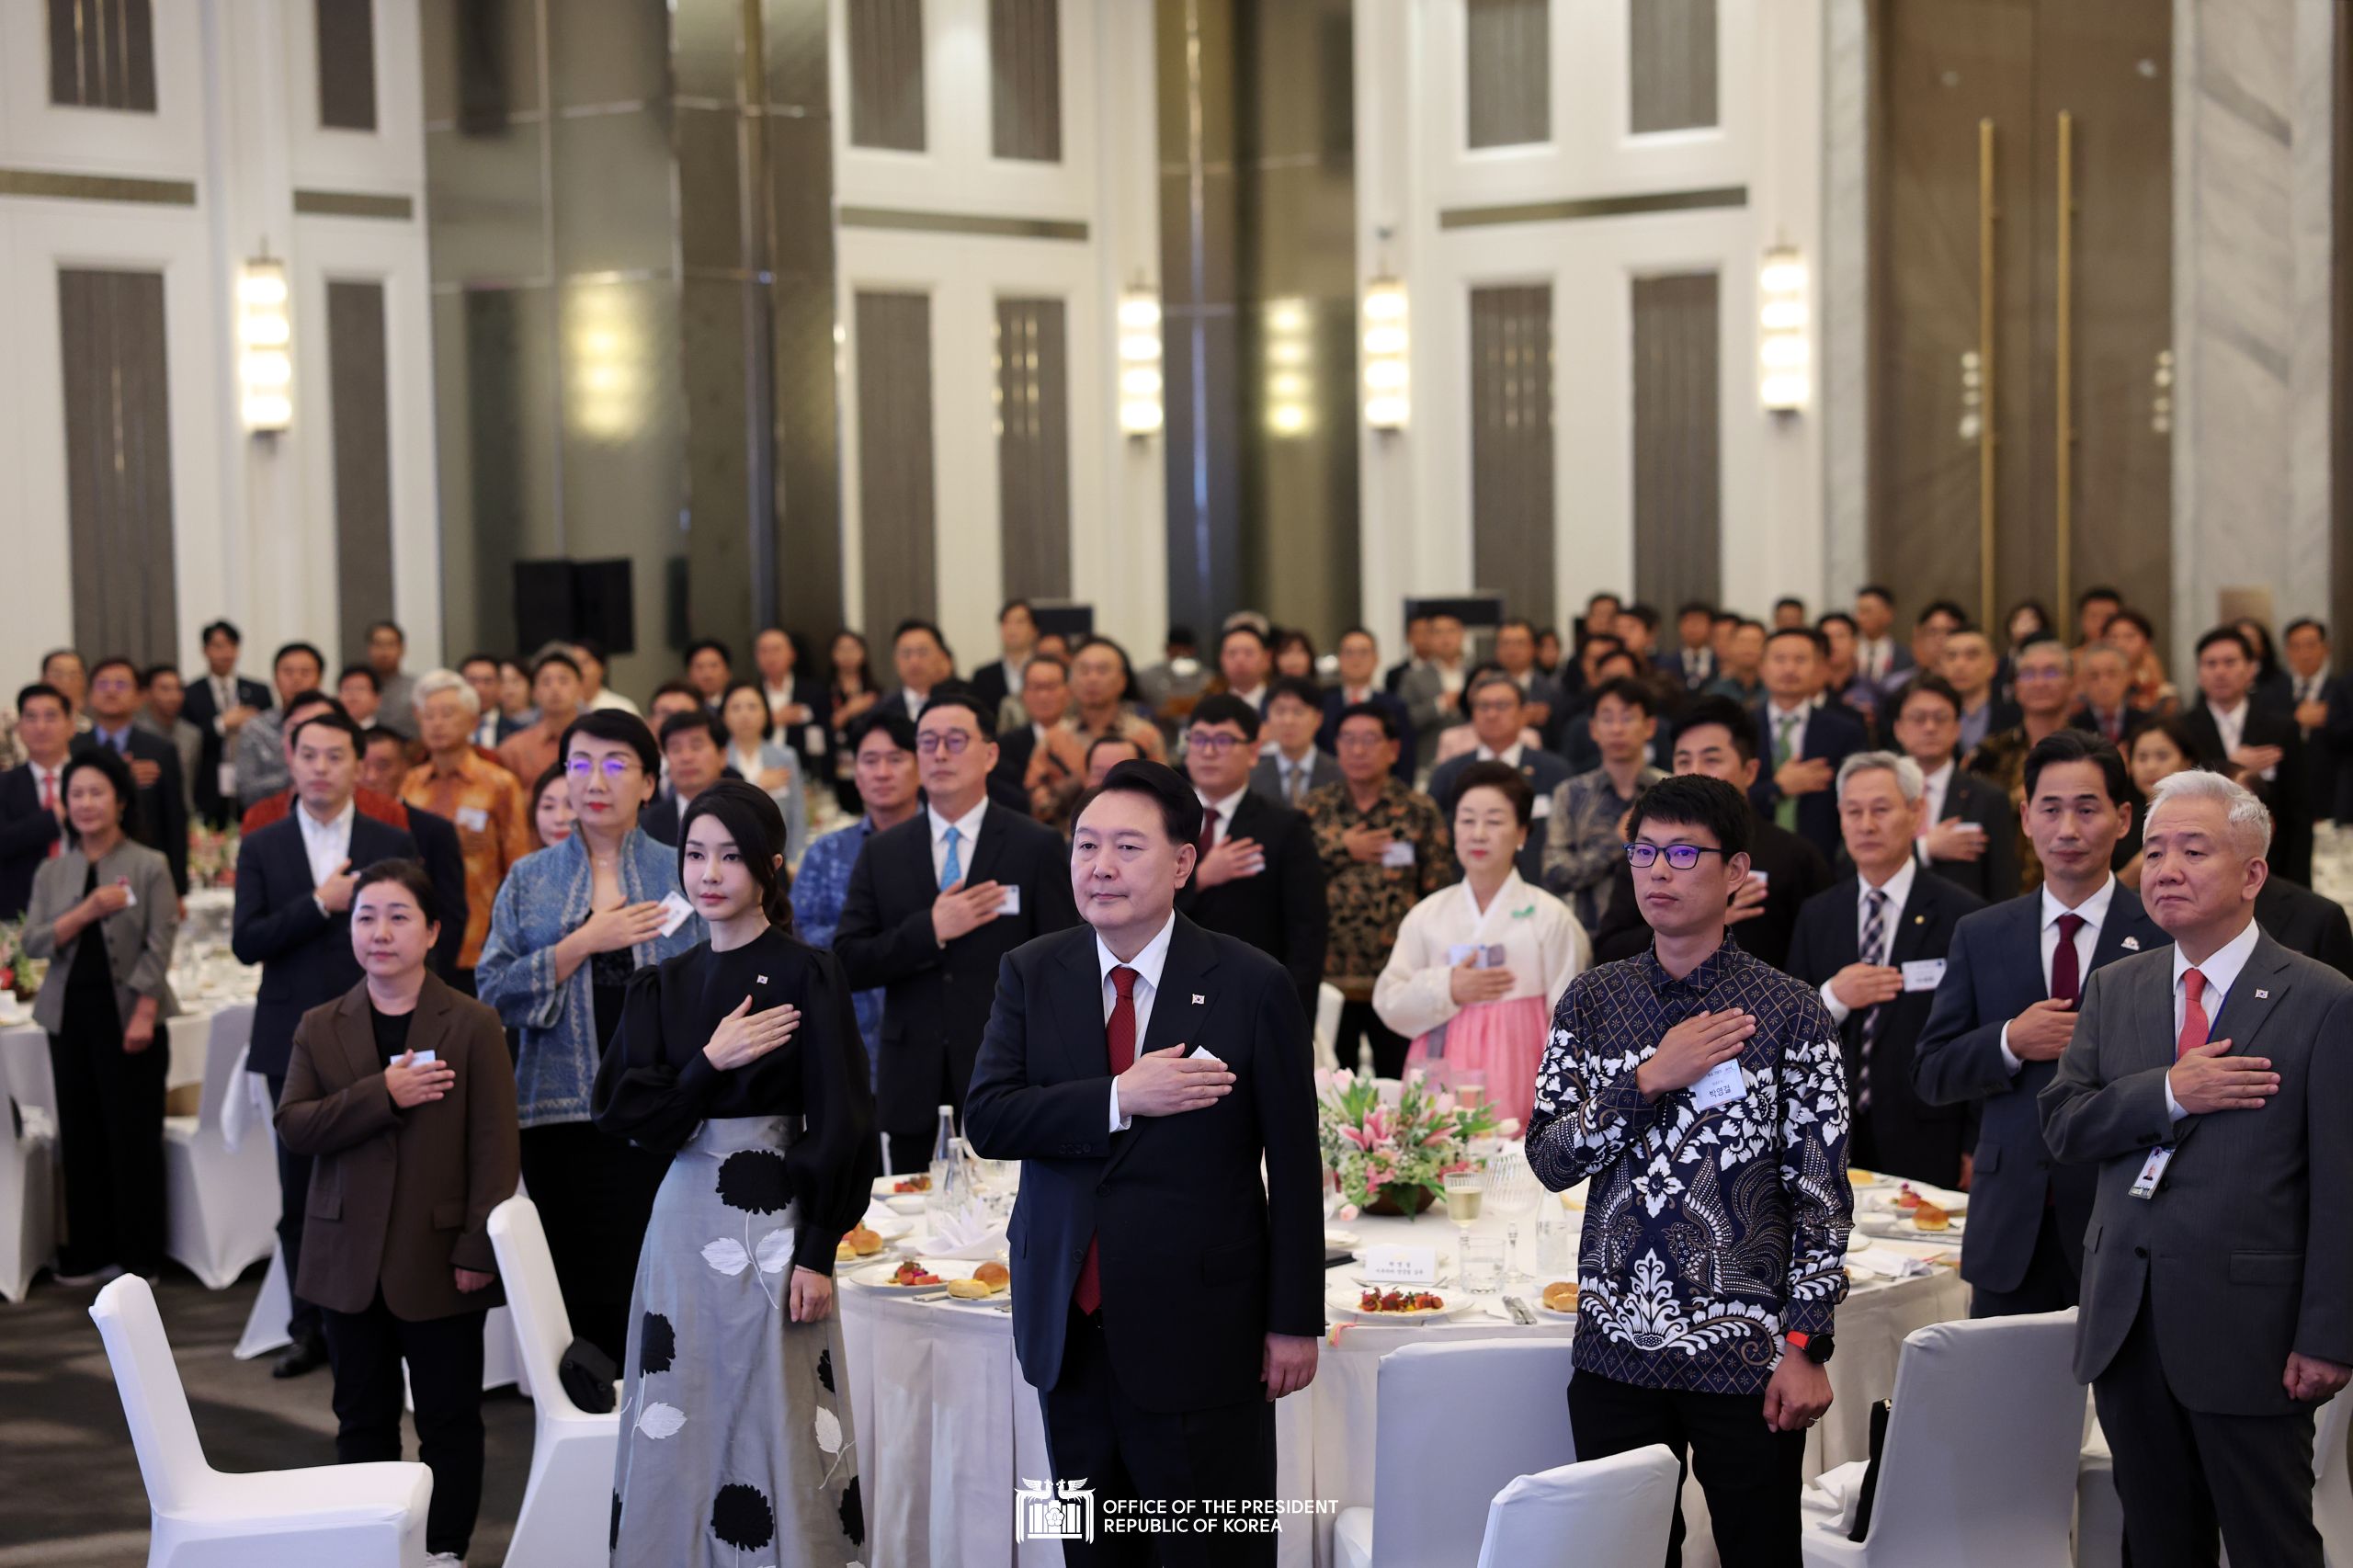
48	804
1208	841
2193	1014
2067	970
1121	1035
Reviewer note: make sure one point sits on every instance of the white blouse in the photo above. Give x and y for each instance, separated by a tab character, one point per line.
1543	946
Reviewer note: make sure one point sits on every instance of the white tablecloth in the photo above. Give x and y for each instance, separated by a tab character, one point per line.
948	1430
24	1055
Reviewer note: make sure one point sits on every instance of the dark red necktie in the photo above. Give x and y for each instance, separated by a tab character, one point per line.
1120	1034
2066	971
1208	841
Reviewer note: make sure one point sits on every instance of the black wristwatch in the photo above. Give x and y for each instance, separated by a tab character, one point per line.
1815	1348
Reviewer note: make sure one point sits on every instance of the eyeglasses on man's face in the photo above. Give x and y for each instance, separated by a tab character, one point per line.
612	767
1681	856
953	742
1210	743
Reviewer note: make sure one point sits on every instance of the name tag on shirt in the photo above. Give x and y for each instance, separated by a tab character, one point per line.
1924	975
2153	1171
228	781
1722	1086
473	819
129	898
1008	899
813	737
676	911
1543	807
1399	854
422	1058
1490	956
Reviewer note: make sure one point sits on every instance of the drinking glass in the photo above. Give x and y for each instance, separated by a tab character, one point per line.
1482	1265
1512	1190
1465	1191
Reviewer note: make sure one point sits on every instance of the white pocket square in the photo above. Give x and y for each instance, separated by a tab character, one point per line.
2132	944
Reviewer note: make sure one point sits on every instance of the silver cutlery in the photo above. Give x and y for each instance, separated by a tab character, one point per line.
1520	1313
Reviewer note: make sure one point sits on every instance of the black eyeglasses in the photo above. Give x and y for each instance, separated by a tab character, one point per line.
1682	857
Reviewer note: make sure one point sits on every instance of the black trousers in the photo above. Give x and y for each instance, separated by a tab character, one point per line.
444	1357
594	1195
2049	1285
2182	1474
111	1138
1751	1474
1125	1453
1389	1047
294	1196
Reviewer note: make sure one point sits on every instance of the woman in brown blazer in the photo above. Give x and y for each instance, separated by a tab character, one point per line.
403	1094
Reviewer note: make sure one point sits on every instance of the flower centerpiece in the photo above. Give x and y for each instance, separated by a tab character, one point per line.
11	955
1393	1159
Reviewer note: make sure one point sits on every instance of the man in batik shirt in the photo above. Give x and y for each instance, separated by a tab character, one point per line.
1703	1093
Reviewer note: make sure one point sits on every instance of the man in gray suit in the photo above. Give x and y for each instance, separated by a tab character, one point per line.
1432	690
2212	1084
1292	765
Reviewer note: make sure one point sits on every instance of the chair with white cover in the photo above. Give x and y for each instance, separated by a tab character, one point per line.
2331	1486
1328	1001
221	1204
1504	1407
1981	1458
1605	1513
567	1504
28	1194
354	1515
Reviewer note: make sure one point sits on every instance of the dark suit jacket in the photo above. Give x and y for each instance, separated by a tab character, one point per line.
1544	773
444	857
936	999
1831	733
1993	972
992	685
1194	1249
660	818
26	833
304	953
2291	813
2303	922
1267	774
1795	872
400	1198
1327	736
1013	750
1994	875
1690	671
1282	911
2081	717
1912	1137
2241	1254
159	816
200	711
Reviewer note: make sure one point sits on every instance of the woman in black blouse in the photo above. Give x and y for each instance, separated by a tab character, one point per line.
743	1056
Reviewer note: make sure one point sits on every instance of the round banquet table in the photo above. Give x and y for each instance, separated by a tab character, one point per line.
947	1431
26	1073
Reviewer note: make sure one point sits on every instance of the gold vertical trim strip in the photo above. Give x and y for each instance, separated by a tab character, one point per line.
2064	516
1986	469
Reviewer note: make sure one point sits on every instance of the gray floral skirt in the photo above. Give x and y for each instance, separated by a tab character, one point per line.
736	1445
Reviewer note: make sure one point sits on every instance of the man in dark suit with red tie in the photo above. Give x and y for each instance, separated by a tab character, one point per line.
1164	1297
2006	1008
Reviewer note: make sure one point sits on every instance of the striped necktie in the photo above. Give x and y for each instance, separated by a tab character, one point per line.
1874	952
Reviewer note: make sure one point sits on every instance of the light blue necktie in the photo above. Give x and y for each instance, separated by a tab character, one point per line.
952	870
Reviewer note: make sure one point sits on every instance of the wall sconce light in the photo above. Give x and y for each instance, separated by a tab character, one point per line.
265	337
1784	362
1140	411
1291	367
1386	378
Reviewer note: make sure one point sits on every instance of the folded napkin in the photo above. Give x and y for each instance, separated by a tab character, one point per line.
964	1233
1888	1264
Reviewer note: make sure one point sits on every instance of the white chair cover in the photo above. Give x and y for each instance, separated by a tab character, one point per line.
28	1194
1504	1409
1328	1001
265	1324
2332	1487
567	1503
1984	1410
1606	1513
220	1203
366	1515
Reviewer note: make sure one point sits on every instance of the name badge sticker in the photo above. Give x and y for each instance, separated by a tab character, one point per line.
1722	1086
2153	1171
676	911
1399	854
1924	975
1009	899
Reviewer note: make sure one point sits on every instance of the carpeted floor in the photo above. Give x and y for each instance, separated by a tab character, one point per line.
67	1472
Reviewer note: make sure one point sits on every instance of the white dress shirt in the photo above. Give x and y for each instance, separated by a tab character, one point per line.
2232	727
1932	794
2093	910
1255	696
968	838
913	700
1013	668
225	696
1898	889
1224	812
1147	965
1510	755
1875	656
2221	970
327	844
1287	768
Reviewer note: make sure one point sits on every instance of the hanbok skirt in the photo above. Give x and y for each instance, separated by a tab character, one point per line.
1503	1039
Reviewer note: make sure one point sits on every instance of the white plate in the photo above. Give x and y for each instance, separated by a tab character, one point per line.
1347	1239
1344	1303
1536	1305
1882	1200
905	1203
889	1226
1871	1182
1907	1229
876	1277
886	1186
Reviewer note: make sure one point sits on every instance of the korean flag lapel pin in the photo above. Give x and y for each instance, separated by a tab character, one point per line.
762	979
2263	995
1199	1000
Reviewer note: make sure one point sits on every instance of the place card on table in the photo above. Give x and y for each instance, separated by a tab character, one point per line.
1401	1265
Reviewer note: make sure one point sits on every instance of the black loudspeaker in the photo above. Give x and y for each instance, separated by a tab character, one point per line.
563	601
1072	621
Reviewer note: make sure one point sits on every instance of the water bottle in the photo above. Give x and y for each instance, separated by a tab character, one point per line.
1364	1058
943	1149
